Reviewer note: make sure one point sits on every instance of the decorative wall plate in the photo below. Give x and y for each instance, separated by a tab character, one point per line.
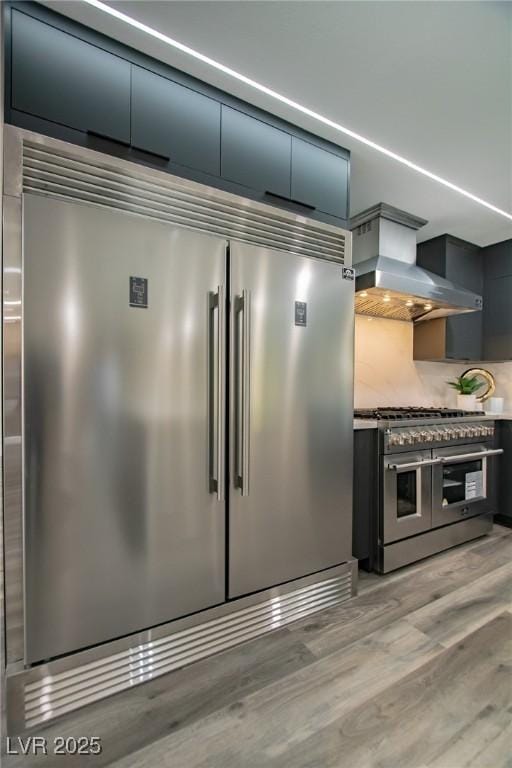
488	378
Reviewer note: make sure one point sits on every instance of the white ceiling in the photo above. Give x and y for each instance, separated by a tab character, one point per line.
430	80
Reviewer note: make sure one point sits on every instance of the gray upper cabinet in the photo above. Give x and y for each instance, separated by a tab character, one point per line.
60	78
254	153
497	260
319	178
68	81
175	122
464	267
458	337
485	335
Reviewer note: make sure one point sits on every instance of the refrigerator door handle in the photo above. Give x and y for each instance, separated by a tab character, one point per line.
243	391
217	392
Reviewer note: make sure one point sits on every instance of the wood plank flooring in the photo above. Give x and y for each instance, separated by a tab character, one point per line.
416	672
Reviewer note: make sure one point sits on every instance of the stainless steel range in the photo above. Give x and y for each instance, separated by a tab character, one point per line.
435	481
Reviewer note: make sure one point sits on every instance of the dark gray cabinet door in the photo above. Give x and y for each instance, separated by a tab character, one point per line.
464	332
502	472
497	261
175	122
60	78
254	153
460	262
319	178
498	319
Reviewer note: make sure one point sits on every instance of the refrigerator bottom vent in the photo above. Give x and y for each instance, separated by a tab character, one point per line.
54	695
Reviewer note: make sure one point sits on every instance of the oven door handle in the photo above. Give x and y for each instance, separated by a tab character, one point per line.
467	456
413	465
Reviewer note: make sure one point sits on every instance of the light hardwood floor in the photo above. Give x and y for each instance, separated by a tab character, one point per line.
416	672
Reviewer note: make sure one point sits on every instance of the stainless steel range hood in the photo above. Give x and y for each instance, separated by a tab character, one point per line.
389	283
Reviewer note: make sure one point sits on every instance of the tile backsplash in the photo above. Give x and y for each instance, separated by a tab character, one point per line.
386	374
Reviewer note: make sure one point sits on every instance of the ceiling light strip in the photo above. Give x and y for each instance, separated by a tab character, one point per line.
293	104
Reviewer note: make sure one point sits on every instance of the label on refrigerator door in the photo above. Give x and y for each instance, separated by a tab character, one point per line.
301	313
348	273
139	292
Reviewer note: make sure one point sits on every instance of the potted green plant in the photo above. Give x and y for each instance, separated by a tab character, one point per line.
466	387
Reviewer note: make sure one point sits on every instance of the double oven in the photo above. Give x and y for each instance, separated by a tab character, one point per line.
437	494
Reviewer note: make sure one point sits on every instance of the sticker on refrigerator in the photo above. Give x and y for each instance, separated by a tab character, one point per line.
301	313
348	273
139	292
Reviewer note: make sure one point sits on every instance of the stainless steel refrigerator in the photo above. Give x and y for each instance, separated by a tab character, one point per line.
187	421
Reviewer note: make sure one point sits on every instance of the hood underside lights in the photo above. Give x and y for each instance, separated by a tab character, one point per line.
376	302
389	283
292	104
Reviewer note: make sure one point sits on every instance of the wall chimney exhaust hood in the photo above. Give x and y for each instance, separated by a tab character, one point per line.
389	283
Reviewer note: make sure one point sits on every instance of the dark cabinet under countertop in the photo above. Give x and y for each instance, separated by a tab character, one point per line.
365	497
503	472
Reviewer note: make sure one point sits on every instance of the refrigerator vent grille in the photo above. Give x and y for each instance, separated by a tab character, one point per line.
56	694
88	177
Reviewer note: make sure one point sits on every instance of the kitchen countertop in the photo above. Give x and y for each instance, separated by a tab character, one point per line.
373	423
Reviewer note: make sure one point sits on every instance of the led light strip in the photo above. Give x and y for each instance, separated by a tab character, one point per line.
293	104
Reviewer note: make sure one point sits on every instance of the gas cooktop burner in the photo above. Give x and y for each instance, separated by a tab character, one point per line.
389	414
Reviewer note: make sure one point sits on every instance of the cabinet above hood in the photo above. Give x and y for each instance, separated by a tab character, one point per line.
389	283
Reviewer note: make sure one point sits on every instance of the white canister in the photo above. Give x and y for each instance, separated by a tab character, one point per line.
466	402
494	405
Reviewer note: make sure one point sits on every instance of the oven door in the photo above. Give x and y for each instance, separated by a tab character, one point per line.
407	495
459	482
